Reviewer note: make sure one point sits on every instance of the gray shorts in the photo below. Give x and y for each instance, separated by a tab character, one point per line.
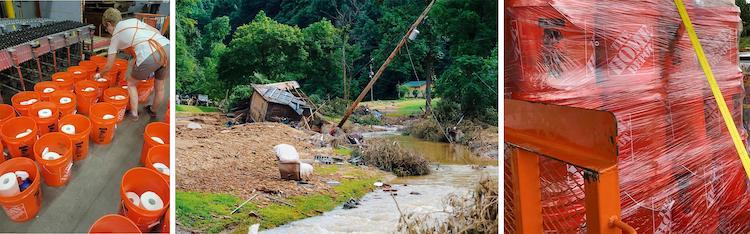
148	66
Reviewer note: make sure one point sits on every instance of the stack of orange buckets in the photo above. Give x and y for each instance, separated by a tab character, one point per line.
679	170
47	130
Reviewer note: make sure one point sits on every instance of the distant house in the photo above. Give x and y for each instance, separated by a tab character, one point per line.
278	102
416	88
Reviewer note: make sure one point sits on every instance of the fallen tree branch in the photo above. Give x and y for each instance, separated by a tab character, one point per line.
246	201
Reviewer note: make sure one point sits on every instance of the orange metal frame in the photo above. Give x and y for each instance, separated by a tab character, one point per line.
581	137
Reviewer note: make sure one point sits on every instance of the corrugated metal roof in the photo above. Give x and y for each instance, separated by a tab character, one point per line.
272	93
415	84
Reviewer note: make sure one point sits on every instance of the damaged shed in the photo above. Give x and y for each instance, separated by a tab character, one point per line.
279	102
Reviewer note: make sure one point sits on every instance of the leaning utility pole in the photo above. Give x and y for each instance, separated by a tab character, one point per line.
385	64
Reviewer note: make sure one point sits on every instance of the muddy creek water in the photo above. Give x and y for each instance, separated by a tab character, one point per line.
378	213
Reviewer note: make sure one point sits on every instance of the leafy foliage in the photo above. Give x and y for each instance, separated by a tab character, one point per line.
223	44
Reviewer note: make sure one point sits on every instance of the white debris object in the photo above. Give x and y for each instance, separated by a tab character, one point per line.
286	153
194	125
305	170
108	116
378	184
101	80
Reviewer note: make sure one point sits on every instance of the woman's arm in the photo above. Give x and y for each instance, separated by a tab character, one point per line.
110	62
111	54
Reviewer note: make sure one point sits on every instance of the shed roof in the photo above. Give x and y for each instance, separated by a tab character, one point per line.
279	93
414	84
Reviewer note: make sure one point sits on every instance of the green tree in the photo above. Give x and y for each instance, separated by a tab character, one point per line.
323	69
215	32
266	47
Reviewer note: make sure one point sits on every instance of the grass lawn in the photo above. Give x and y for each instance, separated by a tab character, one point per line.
744	42
195	109
209	212
403	107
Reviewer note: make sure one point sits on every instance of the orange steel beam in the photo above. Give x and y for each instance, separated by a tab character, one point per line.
602	200
582	137
527	192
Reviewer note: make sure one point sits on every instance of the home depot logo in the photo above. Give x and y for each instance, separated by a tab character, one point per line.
716	45
16	212
712	118
633	50
665	222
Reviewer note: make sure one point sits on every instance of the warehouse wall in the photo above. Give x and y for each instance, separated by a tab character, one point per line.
163	9
61	10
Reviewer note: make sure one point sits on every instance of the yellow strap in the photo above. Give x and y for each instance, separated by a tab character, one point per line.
714	87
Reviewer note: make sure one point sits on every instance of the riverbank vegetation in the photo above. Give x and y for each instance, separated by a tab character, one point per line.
474	213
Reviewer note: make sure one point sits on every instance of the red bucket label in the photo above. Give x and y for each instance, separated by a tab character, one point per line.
16	212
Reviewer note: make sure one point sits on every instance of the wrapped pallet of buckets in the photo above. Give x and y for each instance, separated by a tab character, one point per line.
678	168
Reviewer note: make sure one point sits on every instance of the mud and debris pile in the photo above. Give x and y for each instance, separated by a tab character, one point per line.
240	159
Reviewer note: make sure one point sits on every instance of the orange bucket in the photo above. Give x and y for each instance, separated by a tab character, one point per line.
79	73
24	96
45	89
92	66
99	60
122	105
85	98
158	154
165	223
80	139
55	172
66	106
139	180
6	112
113	223
121	66
103	129
144	89
155	129
19	147
48	124
64	80
101	84
23	206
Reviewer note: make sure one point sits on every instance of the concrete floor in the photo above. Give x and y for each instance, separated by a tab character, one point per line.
94	189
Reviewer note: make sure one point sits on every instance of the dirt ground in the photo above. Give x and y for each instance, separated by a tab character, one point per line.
240	159
485	142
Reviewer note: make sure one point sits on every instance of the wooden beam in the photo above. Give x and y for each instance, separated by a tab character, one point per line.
385	64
